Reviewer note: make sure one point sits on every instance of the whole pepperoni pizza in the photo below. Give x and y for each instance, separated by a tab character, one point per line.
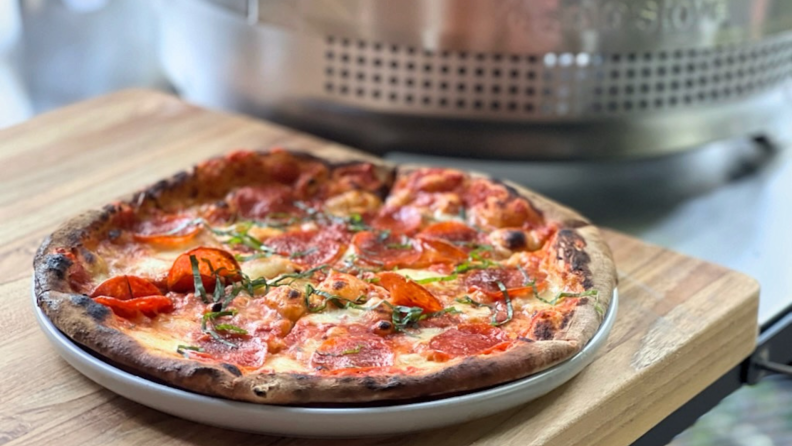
284	278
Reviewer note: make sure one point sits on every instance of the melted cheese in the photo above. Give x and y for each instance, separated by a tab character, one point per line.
269	267
418	274
336	316
281	363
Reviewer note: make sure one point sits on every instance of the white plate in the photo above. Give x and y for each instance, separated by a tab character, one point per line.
324	422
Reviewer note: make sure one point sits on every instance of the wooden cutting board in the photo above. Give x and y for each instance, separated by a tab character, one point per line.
682	322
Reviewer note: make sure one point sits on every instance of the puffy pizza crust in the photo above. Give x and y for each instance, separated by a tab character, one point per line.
579	246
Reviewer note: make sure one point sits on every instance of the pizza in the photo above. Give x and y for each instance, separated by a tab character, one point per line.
281	277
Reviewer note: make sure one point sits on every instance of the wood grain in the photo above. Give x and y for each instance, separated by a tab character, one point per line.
682	322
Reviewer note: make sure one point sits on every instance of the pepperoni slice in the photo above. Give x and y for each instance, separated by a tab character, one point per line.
249	353
388	252
309	248
129	308
167	230
352	351
399	220
486	280
408	293
439	251
126	287
180	276
258	202
450	231
468	339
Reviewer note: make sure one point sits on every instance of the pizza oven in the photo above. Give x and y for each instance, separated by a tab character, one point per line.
513	79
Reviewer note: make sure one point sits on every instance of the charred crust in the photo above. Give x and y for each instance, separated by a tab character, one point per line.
232	369
543	330
97	312
58	264
567	318
570	247
515	240
260	392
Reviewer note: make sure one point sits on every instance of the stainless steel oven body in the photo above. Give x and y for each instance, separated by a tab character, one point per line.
507	79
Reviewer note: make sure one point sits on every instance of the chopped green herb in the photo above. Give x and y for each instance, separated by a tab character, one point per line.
509	308
467	300
303	275
197	282
350	351
339	301
299	254
527	281
216	314
562	295
212	315
239	236
437	279
254	256
230	328
404	317
355	223
399	245
184	349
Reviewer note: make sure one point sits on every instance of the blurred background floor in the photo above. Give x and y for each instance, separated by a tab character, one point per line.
753	416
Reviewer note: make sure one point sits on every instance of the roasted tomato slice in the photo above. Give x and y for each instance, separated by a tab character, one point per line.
169	230
434	251
408	293
399	220
129	308
180	277
126	287
385	250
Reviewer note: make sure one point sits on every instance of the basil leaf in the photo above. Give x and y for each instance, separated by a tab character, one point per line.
509	308
231	328
197	282
184	349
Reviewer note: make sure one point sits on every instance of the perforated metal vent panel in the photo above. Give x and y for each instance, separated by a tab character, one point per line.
533	86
